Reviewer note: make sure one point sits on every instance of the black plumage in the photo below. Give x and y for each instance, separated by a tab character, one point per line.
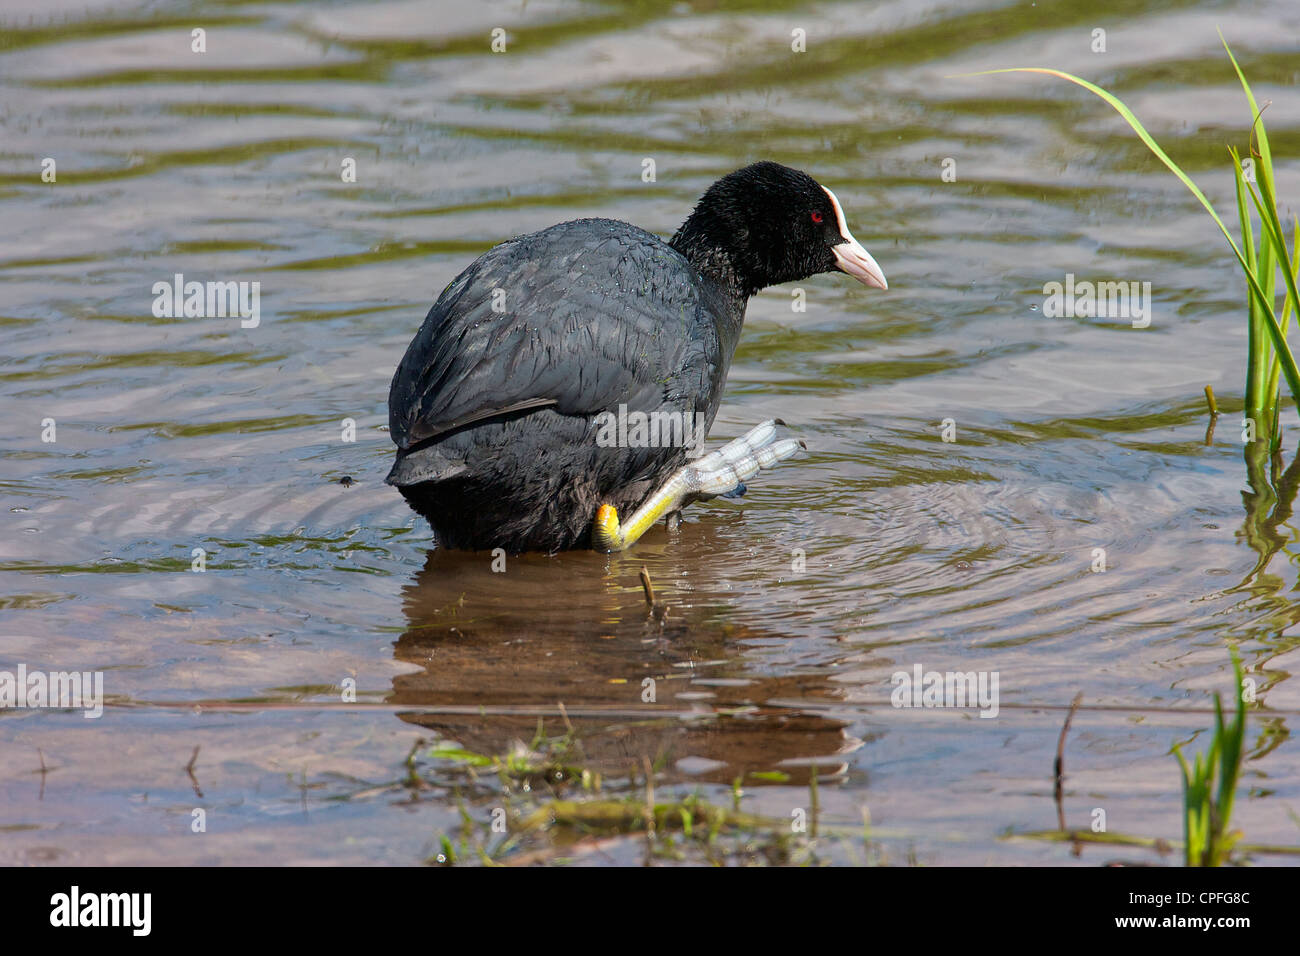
493	407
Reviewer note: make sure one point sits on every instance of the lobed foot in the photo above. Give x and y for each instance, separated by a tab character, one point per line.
738	492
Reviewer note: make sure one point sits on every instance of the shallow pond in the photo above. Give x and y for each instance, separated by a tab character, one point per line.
885	548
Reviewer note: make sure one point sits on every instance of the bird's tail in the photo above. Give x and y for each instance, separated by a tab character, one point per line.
417	465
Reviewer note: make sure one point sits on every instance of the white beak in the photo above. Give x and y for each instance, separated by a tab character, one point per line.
851	257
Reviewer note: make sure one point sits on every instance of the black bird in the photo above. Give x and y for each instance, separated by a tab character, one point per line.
559	381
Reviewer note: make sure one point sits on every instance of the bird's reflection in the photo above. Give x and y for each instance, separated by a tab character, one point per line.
498	648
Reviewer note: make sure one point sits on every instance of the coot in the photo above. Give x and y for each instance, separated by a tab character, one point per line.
552	394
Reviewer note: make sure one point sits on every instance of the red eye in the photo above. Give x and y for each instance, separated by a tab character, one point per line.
817	217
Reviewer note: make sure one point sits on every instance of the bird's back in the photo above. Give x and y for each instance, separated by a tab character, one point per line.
581	316
500	385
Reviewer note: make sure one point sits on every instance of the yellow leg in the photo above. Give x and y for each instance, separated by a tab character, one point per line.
607	534
717	473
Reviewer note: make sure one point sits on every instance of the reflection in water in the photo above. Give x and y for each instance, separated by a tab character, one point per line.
560	631
1269	505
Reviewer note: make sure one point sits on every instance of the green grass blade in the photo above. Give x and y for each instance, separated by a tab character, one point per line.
1278	339
1187	804
1234	739
1267	271
1138	128
1261	135
1289	306
1272	231
1256	388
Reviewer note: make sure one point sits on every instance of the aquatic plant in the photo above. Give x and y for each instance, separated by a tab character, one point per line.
1261	257
1207	809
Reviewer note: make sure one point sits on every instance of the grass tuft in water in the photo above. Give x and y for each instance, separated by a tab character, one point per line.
1207	808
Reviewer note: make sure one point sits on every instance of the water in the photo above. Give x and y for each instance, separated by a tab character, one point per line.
974	555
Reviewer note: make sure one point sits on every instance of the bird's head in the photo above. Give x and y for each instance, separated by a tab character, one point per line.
770	224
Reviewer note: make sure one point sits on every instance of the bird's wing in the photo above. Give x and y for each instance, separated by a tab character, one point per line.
581	317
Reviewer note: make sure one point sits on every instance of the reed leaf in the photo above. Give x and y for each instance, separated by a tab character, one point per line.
1259	268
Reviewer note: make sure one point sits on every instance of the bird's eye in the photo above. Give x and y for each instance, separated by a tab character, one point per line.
817	217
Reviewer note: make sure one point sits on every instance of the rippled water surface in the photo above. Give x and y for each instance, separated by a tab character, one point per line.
884	548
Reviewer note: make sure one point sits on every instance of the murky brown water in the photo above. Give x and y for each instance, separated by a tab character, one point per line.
1072	434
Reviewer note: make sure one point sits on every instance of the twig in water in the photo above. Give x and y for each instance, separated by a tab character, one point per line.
648	588
656	608
1060	765
189	769
43	771
564	715
1214	415
413	778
